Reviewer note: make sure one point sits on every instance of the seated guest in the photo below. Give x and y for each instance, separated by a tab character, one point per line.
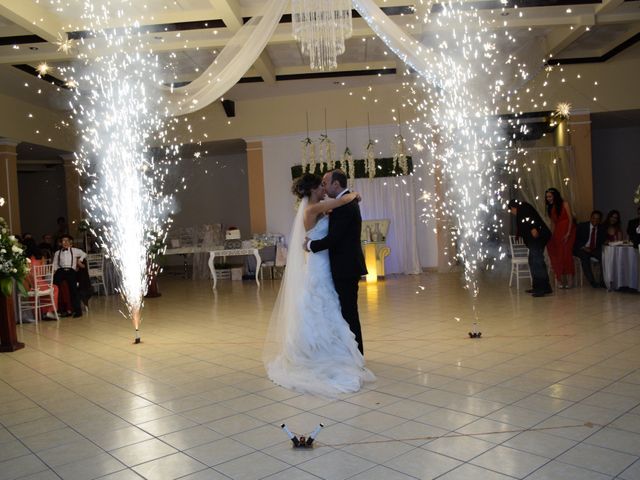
66	263
46	246
536	235
33	252
613	227
633	230
590	237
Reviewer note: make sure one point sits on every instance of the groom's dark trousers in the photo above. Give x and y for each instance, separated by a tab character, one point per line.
347	261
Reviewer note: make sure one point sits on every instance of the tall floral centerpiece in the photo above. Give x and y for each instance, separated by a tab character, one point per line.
14	267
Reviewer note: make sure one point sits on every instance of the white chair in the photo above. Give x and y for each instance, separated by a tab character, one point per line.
519	260
95	265
40	294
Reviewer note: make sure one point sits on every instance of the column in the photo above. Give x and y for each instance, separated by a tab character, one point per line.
10	211
579	132
72	188
255	176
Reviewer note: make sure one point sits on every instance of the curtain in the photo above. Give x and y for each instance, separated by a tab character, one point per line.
393	198
534	170
229	66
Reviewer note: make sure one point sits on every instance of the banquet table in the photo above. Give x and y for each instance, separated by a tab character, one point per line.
232	252
184	251
620	266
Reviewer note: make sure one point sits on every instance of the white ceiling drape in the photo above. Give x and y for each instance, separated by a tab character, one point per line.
247	44
235	59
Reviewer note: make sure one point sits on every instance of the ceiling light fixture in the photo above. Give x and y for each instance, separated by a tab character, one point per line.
321	27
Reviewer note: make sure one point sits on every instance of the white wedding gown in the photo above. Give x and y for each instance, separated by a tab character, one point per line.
318	354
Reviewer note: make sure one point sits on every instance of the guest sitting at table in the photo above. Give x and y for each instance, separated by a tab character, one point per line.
613	227
590	237
46	246
633	230
33	252
66	263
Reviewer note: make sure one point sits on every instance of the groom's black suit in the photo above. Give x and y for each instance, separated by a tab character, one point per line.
346	259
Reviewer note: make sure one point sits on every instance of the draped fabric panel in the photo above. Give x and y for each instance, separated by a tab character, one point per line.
247	44
539	169
393	198
409	50
235	59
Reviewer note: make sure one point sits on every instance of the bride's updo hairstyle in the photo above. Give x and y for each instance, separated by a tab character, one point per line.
303	185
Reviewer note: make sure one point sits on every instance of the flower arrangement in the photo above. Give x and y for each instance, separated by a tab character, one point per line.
13	264
370	160
636	196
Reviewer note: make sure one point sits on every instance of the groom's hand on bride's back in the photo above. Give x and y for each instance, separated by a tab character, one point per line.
305	244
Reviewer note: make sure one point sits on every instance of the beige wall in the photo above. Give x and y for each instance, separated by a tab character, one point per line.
579	132
15	123
255	177
285	113
10	211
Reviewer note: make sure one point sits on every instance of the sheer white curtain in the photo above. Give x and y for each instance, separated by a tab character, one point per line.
393	198
539	169
230	65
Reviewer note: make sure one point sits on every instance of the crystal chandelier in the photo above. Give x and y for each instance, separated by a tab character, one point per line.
321	27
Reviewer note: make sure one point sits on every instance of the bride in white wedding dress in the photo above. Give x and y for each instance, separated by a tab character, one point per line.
309	347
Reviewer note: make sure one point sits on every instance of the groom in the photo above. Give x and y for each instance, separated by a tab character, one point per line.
345	251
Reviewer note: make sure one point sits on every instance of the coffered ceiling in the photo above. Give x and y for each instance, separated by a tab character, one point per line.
194	31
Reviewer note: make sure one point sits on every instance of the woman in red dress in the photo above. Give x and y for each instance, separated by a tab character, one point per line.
560	247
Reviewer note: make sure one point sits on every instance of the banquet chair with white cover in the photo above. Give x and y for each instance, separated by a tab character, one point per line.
40	294
95	265
519	260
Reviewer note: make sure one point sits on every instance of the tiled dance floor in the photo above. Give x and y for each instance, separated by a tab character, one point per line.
551	391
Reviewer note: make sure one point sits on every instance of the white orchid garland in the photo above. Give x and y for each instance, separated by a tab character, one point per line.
308	155
400	155
327	151
370	160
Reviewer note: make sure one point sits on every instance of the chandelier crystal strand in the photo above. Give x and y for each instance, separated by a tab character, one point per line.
321	27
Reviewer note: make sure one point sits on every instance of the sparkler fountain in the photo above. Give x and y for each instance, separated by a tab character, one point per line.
457	121
455	85
120	116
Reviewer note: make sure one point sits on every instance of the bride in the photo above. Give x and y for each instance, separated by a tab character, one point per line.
309	346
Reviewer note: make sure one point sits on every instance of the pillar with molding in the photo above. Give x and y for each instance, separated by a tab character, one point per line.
255	177
10	211
579	137
72	189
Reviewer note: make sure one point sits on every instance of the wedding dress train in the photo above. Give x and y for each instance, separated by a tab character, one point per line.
310	348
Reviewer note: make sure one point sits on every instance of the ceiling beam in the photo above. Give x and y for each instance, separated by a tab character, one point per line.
32	17
229	12
608	6
561	37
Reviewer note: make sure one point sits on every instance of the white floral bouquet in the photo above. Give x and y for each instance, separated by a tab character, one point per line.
13	264
636	196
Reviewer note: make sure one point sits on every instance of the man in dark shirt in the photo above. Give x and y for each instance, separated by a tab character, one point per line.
589	239
632	230
535	234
